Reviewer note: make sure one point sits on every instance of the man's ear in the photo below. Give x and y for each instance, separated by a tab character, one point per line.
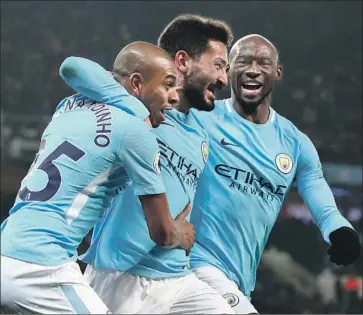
136	82
279	72
182	61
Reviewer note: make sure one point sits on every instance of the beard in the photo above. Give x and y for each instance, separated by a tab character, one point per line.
194	88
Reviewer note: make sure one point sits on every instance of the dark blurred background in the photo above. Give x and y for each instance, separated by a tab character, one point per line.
320	45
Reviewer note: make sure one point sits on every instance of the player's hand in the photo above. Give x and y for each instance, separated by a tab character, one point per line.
345	246
186	228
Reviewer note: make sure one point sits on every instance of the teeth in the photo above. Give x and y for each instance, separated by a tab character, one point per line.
253	86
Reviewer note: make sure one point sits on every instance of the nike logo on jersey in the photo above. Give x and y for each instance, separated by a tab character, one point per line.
165	123
224	142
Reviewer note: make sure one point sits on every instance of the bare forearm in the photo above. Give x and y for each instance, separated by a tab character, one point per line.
162	228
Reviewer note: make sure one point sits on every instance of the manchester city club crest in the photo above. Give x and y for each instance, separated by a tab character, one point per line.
205	151
231	298
284	163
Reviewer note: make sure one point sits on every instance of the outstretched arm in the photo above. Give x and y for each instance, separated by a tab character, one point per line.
319	199
93	81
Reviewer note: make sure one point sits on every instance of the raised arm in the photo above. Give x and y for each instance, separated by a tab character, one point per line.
93	81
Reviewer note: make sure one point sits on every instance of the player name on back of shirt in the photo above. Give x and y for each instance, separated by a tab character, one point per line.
102	114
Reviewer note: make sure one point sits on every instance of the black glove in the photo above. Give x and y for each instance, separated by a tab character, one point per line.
345	246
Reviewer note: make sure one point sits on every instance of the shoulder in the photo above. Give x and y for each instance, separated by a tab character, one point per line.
199	125
221	107
205	118
126	129
122	118
136	127
134	106
287	127
289	131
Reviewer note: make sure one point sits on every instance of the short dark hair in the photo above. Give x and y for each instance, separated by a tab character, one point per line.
192	34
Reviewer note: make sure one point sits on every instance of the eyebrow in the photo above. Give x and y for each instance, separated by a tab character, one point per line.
220	59
262	56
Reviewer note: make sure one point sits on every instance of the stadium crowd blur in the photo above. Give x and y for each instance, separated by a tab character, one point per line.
320	49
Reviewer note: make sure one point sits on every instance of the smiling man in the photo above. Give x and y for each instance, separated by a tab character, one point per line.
160	281
255	156
88	153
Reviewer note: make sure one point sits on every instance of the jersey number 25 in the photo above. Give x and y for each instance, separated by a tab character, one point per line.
52	171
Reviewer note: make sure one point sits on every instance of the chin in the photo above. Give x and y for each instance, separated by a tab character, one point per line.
209	105
155	124
252	101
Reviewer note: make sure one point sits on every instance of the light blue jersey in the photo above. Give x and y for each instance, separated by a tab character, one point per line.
250	169
88	153
121	239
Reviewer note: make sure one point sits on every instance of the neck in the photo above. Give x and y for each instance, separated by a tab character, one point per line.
183	105
124	82
258	114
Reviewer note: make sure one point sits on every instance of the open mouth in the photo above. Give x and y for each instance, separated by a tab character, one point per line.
211	88
169	107
251	86
251	89
210	91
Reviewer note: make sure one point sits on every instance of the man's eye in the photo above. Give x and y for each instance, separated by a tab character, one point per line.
170	84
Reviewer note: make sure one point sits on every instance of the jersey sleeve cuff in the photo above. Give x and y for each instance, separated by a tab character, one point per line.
333	227
151	190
